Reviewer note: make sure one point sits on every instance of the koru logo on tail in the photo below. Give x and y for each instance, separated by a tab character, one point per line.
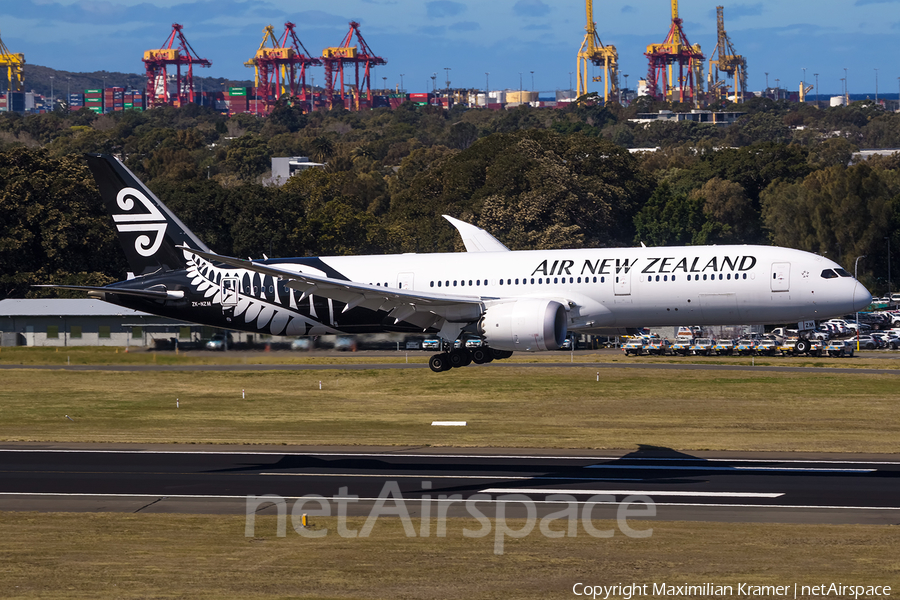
151	221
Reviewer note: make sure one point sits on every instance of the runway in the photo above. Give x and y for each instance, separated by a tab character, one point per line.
732	487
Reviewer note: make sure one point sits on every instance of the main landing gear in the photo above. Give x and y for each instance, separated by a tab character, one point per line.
463	357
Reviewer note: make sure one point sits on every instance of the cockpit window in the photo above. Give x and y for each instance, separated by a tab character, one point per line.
842	272
829	274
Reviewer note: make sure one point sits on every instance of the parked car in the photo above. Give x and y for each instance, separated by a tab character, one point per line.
302	343
865	342
431	344
682	346
767	347
724	347
634	346
746	346
657	346
703	346
840	348
219	341
888	339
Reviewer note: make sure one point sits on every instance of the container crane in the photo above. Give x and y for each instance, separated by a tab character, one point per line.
336	57
15	68
593	51
156	61
804	90
277	65
662	82
725	59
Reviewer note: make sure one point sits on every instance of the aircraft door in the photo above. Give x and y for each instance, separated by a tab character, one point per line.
623	282
405	281
229	292
781	277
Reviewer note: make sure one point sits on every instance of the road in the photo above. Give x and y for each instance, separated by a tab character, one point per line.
731	487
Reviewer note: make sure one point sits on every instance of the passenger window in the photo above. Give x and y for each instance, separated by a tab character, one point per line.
579	280
432	284
673	278
470	282
477	282
745	276
501	282
720	277
729	276
657	277
517	282
540	280
555	280
704	277
454	283
532	281
439	284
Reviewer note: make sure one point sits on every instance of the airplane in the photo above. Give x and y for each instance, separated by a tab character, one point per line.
509	300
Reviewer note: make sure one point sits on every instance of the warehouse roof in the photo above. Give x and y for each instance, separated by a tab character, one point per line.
64	307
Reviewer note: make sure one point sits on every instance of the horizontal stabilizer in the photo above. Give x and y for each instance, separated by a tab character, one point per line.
156	294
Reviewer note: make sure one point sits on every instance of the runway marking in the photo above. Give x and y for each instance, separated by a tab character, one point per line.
436	456
406	476
637	493
744	469
433	500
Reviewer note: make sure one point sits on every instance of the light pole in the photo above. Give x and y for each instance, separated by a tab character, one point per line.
767	83
447	71
889	265
433	83
532	81
846	88
520	88
487	87
626	87
402	89
570	81
856	277
777	87
876	86
804	76
68	92
817	89
384	79
51	93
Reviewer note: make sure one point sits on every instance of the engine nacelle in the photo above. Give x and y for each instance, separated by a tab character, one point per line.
527	325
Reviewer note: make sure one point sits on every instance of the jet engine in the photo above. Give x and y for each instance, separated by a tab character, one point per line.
527	325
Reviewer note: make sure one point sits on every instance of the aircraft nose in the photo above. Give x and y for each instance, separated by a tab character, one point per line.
861	297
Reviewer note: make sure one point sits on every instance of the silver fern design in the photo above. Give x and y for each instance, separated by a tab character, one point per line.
271	304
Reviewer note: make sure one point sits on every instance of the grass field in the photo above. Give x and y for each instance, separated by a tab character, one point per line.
99	556
508	407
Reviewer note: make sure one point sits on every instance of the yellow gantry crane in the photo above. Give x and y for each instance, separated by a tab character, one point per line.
804	90
15	66
725	59
593	51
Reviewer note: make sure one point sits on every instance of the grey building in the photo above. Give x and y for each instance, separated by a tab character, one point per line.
283	167
77	322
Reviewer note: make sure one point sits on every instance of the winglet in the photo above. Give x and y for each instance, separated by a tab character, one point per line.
475	238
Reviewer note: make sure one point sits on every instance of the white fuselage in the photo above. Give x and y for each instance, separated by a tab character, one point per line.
632	287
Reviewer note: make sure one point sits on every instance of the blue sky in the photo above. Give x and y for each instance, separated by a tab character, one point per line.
503	37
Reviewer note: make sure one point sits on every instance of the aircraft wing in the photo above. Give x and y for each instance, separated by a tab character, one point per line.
475	238
400	303
156	294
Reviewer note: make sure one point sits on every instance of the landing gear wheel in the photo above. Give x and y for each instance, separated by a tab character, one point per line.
501	354
459	358
481	355
439	362
802	347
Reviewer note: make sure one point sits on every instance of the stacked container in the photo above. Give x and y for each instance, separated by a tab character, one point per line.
421	99
114	99
133	100
75	101
236	97
93	99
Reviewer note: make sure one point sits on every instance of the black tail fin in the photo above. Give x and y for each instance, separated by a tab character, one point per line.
148	231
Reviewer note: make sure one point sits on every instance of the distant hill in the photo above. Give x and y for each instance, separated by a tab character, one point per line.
37	79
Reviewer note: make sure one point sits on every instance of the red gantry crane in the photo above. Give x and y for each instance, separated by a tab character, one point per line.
277	66
335	58
662	81
157	61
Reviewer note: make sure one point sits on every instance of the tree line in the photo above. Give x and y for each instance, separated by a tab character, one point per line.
534	178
